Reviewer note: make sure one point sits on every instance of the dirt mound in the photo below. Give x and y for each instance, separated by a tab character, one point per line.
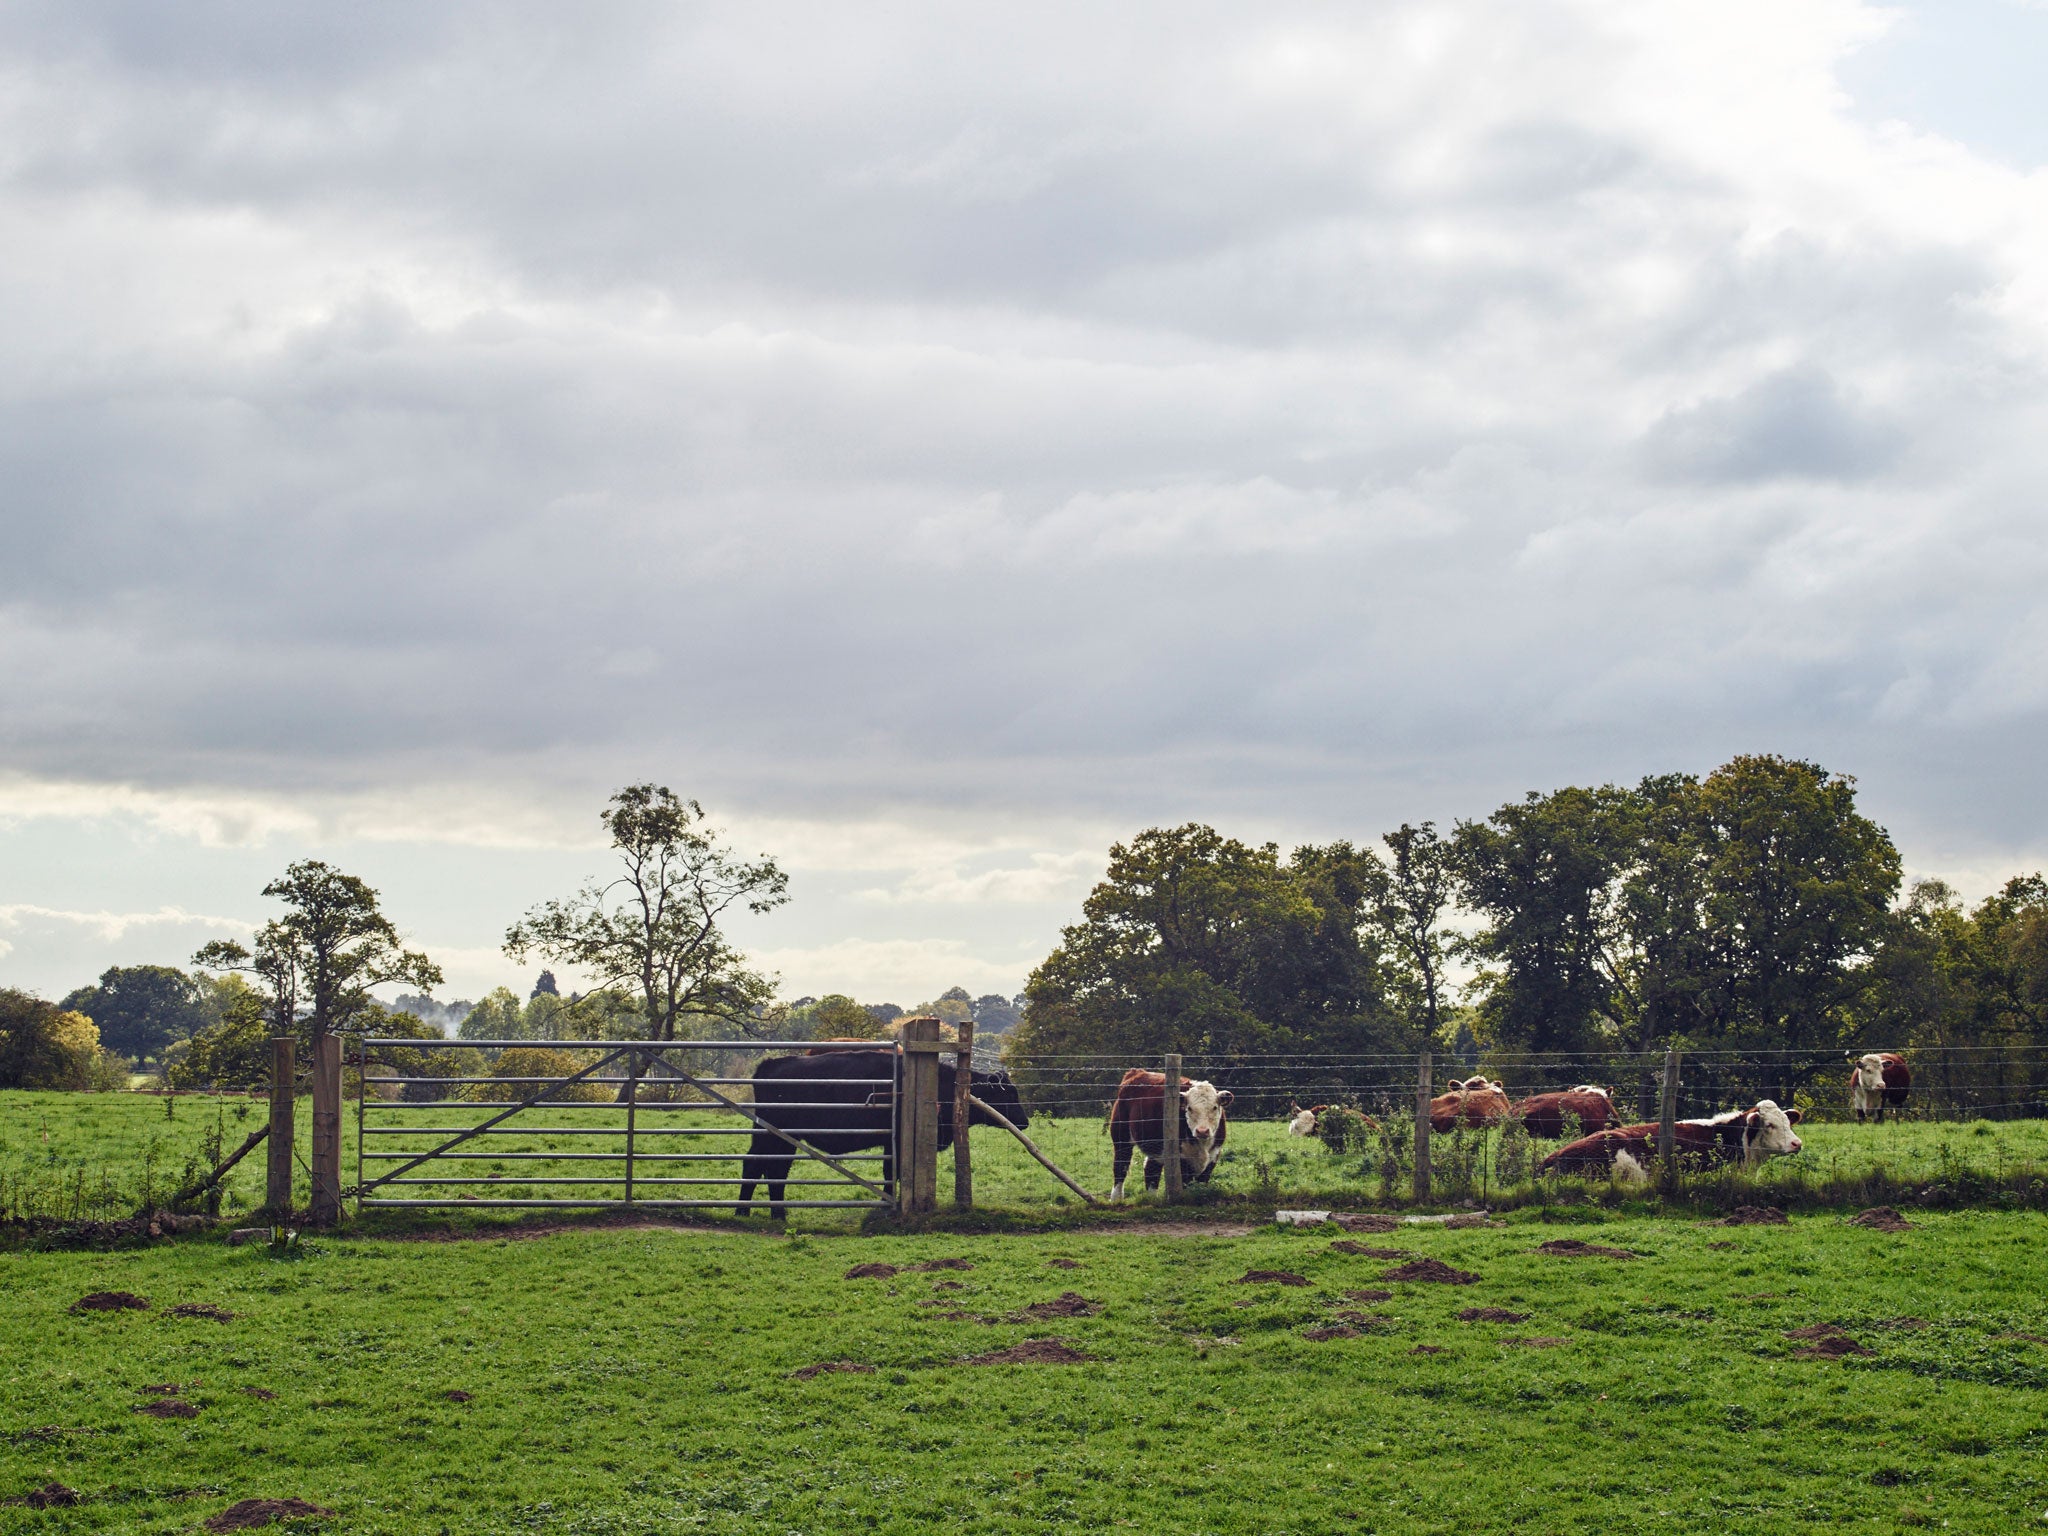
251	1513
262	1394
1065	1263
170	1408
457	1395
1881	1218
49	1496
932	1266
1832	1347
1369	1295
825	1367
1538	1342
1576	1248
1492	1315
1334	1331
111	1301
1031	1352
948	1285
1814	1331
1347	1246
1754	1216
1271	1277
1369	1221
873	1272
200	1309
1066	1304
1431	1271
1427	1349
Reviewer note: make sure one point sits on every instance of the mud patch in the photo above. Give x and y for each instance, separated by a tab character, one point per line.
873	1272
1882	1218
165	1389
252	1513
200	1309
1814	1331
457	1395
1369	1295
2024	1338
948	1285
1031	1352
1537	1342
1427	1349
1066	1304
1064	1263
1833	1347
1333	1331
1492	1315
1271	1277
1431	1272
1347	1246
1755	1216
933	1266
170	1408
49	1496
111	1301
826	1367
1577	1248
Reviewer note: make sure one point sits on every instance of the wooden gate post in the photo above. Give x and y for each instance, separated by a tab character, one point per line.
1423	1095
277	1178
963	1090
1667	1123
326	1131
1169	1128
917	1162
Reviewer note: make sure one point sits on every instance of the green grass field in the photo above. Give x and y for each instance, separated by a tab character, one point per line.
642	1381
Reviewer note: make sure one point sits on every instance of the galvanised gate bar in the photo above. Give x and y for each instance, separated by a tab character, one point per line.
643	1123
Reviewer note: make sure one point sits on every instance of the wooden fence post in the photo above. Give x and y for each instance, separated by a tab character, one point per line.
1169	1128
1667	1123
917	1170
1422	1098
963	1090
277	1178
326	1131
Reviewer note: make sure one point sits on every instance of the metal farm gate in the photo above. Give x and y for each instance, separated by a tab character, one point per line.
626	1127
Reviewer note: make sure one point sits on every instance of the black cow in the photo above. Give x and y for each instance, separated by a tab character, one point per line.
838	1102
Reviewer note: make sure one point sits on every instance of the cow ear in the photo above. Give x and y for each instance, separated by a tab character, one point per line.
1793	1115
1224	1097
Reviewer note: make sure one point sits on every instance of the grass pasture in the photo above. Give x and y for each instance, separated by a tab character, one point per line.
642	1381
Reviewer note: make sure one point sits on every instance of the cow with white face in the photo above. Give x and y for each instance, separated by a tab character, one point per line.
1302	1122
1745	1136
1137	1123
1877	1081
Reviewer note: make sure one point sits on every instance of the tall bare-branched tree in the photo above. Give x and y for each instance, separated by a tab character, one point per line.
654	928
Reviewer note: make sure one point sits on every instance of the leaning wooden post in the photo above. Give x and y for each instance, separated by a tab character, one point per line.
918	1122
277	1180
1169	1127
1422	1098
1667	1123
326	1131
963	1092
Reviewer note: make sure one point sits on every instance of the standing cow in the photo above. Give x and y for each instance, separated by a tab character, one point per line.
841	1101
1877	1081
1137	1121
1475	1103
1745	1136
1543	1114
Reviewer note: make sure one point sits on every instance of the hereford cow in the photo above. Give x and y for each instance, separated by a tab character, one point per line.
1879	1080
1747	1136
1302	1122
1137	1121
838	1101
1543	1114
1475	1102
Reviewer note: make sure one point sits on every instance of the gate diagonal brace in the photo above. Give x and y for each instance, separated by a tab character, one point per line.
830	1162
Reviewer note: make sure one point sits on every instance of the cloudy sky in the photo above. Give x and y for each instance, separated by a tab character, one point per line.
944	448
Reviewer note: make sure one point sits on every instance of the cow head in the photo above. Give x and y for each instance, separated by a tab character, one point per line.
999	1092
1204	1104
1595	1088
1869	1073
1769	1132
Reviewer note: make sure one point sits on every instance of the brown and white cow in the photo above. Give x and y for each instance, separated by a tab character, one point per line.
1543	1114
1476	1103
1137	1122
1745	1136
1302	1122
1878	1080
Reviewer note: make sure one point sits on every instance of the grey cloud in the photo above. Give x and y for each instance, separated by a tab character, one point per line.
1798	422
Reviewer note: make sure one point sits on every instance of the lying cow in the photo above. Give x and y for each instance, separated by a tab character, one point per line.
839	1101
1137	1122
1302	1122
1475	1103
1543	1114
1879	1080
1747	1136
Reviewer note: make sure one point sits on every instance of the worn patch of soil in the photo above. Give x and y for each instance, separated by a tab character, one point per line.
1882	1218
164	1389
1334	1331
49	1496
1833	1347
1538	1342
170	1408
1347	1246
1721	1245
1492	1315
933	1266
1065	1263
1369	1295
1577	1248
1031	1352
1475	1219
1753	1216
251	1513
200	1309
2025	1338
457	1395
262	1394
1814	1331
111	1301
1066	1304
1427	1349
825	1367
873	1272
1368	1221
948	1285
1271	1277
1431	1271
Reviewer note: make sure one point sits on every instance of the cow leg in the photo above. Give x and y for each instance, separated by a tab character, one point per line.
778	1183
753	1169
1203	1176
1155	1170
1122	1169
